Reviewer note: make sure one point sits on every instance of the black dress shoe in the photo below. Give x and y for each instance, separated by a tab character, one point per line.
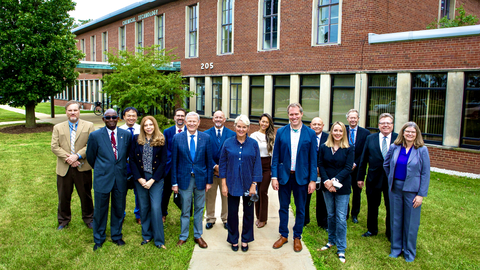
209	225
368	234
354	219
235	248
245	249
144	242
89	225
225	226
119	242
61	227
97	246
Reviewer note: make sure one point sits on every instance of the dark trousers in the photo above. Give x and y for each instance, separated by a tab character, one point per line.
167	192
374	198
321	213
100	215
261	206
300	197
232	219
356	195
83	184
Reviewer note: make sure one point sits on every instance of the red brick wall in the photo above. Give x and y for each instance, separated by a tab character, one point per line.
472	7
455	160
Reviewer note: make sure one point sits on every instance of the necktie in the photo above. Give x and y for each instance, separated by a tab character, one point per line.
179	130
73	134
192	147
352	136
131	131
218	135
114	144
318	143
384	147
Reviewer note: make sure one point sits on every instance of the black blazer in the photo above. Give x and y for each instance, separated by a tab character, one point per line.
323	139
372	155
159	160
360	138
338	166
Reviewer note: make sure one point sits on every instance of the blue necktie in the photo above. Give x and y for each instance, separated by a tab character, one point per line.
131	131
192	147
352	136
318	143
218	136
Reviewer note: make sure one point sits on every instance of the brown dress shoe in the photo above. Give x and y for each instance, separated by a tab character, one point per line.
180	243
280	242
201	243
139	222
261	224
297	245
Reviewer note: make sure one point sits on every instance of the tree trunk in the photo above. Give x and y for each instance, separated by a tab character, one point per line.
30	116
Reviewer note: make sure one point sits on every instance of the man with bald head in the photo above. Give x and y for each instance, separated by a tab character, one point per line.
107	152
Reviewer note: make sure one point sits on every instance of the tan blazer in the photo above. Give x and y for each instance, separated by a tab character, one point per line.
61	145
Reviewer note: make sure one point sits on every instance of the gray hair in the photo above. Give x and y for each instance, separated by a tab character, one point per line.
352	110
193	114
242	118
383	115
109	111
295	104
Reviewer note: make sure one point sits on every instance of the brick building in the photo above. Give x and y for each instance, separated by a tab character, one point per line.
249	57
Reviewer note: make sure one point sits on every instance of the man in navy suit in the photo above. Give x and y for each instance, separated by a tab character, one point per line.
356	137
376	147
294	169
107	152
192	172
179	126
321	212
218	134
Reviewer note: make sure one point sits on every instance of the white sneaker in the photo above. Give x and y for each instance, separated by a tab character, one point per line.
341	257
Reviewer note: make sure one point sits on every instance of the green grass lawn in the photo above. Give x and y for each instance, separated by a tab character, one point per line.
8	116
45	107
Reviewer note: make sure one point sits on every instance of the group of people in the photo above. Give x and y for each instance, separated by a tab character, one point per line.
295	160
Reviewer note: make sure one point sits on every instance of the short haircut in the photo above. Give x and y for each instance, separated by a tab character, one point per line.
295	104
193	114
242	118
129	109
72	102
110	110
352	110
180	109
383	115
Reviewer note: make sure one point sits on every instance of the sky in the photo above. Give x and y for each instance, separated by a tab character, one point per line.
94	9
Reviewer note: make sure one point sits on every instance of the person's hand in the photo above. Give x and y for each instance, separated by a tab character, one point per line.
354	166
274	184
148	184
329	186
311	187
253	189
142	181
75	164
417	201
208	187
71	158
225	190
175	189
360	184
216	171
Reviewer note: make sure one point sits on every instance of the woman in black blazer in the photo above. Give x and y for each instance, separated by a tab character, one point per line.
148	156
335	161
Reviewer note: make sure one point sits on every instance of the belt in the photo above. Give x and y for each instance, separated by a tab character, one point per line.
192	174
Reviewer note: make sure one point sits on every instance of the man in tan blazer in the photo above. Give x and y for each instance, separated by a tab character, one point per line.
72	166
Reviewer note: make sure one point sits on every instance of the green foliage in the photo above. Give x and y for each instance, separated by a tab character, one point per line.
460	20
137	82
38	52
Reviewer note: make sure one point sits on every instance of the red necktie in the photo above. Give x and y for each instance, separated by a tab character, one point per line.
114	144
179	130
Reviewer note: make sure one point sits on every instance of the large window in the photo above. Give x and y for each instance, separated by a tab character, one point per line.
216	94
186	87
281	98
427	106
104	46
227	7
471	112
235	96
327	21
201	96
310	96
343	96
257	95
382	91
122	40
160	32
82	48
139	34
192	31
270	24
92	48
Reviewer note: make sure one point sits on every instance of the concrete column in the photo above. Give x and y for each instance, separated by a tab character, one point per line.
84	90
360	103
453	109
226	96
294	88
208	96
268	94
77	86
245	110
193	99
402	107
325	96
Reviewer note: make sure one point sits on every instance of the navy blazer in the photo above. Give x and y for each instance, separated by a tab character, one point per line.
418	169
306	163
106	170
169	133
360	138
159	160
217	146
372	155
323	139
182	163
336	166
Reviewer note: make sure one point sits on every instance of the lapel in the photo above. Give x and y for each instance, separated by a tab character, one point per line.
186	134
412	154
66	131
303	134
120	143
223	137
289	139
108	143
376	144
200	143
80	127
396	152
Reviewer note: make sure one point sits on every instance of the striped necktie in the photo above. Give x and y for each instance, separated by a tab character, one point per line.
73	134
384	146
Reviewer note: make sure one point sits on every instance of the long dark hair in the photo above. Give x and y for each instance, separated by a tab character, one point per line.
269	133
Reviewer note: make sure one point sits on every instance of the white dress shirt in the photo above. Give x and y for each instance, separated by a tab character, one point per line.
294	139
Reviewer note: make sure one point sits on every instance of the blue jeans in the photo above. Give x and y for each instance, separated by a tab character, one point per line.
300	197
337	219
199	204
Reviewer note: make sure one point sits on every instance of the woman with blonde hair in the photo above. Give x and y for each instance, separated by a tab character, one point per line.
148	156
335	161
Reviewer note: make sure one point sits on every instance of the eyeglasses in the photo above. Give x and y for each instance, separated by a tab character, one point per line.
385	123
108	117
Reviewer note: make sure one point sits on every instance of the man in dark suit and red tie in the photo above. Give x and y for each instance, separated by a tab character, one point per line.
192	173
376	147
107	152
356	137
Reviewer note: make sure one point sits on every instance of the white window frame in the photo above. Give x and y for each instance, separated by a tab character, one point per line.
158	19
187	30
260	26
220	27
122	30
315	24
142	34
104	46
93	48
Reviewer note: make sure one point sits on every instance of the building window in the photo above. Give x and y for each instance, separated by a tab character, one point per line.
186	87
104	46
201	96
192	31
382	92
343	96
227	7
257	95
281	98
471	112
92	48
160	32
445	8
235	96
427	106
82	48
270	24
327	21
122	41
139	34
310	96
216	94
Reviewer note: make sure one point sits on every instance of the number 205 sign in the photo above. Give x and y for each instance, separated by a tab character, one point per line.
206	65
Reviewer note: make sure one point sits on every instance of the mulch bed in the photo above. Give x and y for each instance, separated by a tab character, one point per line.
20	129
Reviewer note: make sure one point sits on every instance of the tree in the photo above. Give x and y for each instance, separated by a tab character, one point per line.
136	80
80	23
460	20
38	55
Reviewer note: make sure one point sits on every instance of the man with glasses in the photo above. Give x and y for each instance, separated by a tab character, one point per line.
376	147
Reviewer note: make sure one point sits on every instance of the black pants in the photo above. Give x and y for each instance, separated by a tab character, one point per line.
167	192
356	195
232	219
374	198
